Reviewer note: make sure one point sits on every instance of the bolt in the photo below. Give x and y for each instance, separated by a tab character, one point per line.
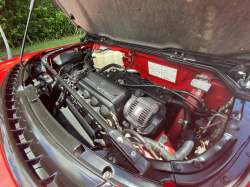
225	179
242	49
139	8
161	96
119	140
112	159
133	154
164	137
148	147
177	167
248	154
197	164
180	121
107	175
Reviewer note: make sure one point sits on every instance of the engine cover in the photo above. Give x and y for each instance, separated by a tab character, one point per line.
104	92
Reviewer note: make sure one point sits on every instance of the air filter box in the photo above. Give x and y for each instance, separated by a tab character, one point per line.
71	56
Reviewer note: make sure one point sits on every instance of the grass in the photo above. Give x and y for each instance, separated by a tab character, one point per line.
41	46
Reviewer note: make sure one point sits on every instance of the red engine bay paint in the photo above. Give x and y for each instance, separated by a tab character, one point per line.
217	95
185	75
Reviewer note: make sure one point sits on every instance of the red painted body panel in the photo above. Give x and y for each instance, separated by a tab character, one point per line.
217	95
6	177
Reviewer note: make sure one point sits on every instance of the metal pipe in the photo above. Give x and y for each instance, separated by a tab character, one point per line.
6	43
32	4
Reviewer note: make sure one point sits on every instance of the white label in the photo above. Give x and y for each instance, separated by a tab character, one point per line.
163	72
102	47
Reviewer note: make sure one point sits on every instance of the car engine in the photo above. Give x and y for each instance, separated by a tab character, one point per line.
156	121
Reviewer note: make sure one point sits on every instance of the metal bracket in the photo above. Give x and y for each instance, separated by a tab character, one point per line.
163	139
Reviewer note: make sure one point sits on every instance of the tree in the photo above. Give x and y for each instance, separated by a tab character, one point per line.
47	22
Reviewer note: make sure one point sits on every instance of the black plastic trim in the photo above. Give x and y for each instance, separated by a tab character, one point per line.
44	137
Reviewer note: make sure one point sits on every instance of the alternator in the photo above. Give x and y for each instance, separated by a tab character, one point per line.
144	113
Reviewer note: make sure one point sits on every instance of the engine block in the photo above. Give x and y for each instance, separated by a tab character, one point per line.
104	92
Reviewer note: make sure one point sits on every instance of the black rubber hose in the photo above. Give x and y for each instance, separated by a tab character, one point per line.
187	111
201	114
87	56
181	153
191	95
108	66
86	59
133	133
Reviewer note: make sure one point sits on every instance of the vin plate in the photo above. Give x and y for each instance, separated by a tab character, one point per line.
163	72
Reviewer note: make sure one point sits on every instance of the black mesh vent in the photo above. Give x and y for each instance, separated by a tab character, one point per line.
143	115
132	107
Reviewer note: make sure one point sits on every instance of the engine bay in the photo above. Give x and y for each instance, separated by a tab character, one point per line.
158	109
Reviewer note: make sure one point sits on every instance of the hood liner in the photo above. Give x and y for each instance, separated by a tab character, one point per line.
218	27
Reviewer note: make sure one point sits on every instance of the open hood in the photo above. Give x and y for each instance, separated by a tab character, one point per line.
211	27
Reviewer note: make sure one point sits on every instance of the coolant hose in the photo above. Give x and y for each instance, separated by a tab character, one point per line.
187	111
181	153
108	66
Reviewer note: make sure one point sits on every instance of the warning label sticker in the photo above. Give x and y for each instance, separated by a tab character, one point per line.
163	72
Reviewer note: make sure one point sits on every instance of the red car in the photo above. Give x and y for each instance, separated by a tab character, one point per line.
155	94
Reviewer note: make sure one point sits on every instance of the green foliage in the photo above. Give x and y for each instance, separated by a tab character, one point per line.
47	22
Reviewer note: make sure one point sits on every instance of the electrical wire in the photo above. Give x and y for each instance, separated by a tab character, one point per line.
137	144
62	68
213	124
132	60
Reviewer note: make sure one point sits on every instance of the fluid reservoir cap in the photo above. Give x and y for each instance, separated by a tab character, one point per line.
94	102
86	94
104	111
